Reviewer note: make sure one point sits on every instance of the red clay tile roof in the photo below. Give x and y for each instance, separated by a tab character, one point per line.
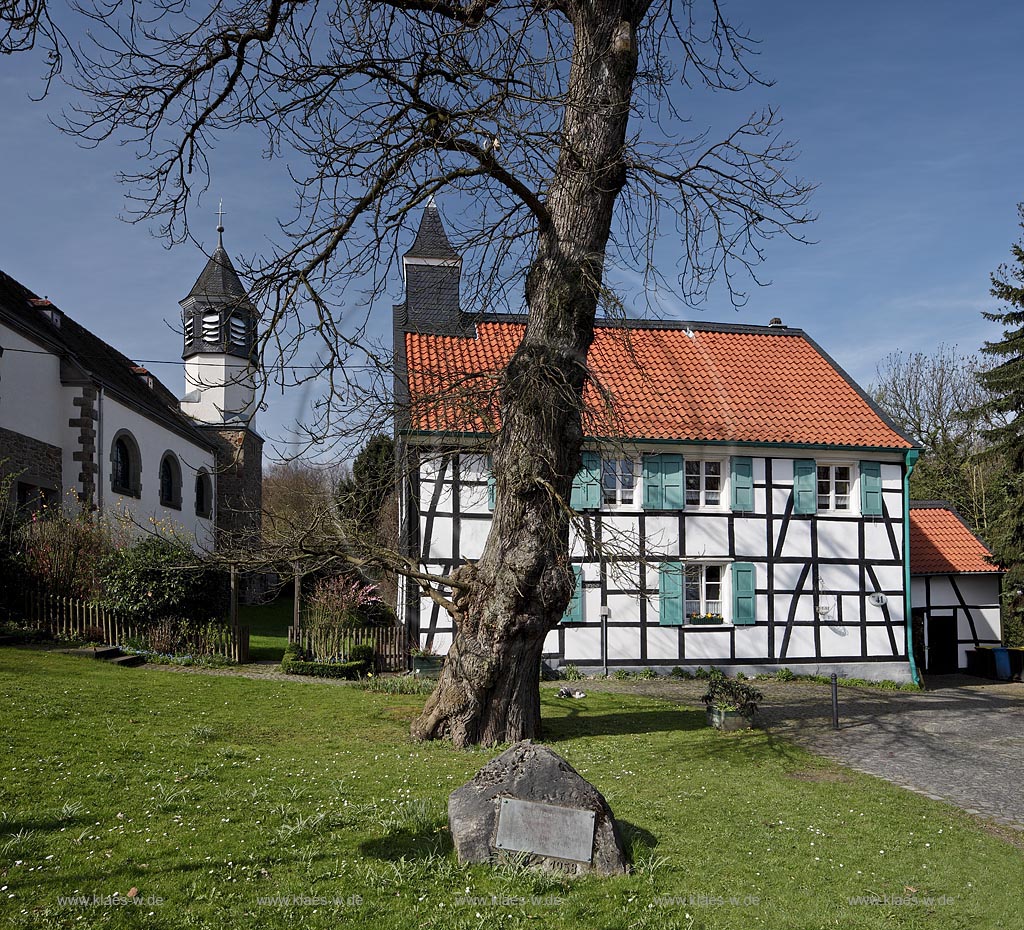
941	544
734	385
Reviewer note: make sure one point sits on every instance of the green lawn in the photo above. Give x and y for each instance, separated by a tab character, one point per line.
213	793
268	628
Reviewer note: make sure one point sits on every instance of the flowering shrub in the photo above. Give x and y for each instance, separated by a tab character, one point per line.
340	603
64	553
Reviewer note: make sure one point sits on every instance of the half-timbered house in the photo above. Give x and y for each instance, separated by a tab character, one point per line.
742	502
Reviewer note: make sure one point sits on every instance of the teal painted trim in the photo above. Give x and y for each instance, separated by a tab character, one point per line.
744	443
744	594
742	481
805	486
910	461
586	486
871	489
574	612
670	594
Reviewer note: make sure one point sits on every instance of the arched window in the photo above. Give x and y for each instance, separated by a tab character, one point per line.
125	465
170	481
204	494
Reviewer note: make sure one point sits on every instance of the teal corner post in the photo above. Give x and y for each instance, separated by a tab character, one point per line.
911	461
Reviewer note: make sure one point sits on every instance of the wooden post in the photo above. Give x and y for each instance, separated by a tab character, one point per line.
297	587
233	620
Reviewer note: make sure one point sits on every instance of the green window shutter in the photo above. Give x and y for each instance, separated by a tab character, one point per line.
670	594
742	482
574	612
871	489
492	488
663	481
654	493
805	486
743	593
672	480
586	486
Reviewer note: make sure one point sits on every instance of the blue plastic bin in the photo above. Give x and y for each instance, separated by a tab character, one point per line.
1002	657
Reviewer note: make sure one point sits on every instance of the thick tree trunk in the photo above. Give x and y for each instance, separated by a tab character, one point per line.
517	592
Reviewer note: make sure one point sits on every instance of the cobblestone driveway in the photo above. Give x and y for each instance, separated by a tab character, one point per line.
962	741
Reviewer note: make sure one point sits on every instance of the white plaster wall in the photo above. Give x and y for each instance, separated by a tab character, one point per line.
623	643
662	642
31	398
582	642
751	641
153	440
472	536
226	385
798	538
707	644
879	645
837	539
840	639
801	642
751	537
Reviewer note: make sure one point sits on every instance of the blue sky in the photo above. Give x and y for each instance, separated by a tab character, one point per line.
906	116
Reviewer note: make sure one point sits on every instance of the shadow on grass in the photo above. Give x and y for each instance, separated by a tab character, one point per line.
429	841
635	839
578	721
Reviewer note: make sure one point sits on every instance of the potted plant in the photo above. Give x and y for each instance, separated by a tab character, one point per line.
705	618
731	704
425	662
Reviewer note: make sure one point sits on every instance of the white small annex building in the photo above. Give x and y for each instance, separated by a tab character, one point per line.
81	424
752	512
955	588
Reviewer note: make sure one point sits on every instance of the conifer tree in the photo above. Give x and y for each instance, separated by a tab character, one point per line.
1005	384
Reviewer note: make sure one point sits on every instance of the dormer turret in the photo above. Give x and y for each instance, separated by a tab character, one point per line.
433	273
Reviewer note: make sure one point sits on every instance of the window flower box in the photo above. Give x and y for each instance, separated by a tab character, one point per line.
705	618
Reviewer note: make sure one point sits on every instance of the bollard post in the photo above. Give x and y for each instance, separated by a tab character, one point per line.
835	702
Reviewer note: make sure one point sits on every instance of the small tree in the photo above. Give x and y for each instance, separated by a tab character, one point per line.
1004	382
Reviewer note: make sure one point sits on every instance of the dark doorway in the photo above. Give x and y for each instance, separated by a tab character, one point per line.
942	645
917	638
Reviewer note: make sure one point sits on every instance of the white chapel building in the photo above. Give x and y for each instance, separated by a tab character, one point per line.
83	424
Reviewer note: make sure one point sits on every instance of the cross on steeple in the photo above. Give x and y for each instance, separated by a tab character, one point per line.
220	224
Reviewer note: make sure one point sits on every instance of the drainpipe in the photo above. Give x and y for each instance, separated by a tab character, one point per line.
99	452
911	461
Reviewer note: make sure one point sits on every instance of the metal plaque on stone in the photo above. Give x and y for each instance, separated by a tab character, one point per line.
545	830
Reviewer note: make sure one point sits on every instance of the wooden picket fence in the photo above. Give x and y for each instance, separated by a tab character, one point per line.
68	616
334	645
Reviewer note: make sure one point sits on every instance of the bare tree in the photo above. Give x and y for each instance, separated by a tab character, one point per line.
941	403
558	127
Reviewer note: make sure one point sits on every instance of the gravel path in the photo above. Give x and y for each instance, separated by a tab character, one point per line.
962	741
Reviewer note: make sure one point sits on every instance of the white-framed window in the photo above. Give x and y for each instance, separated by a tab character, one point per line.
835	484
703	483
618	481
702	598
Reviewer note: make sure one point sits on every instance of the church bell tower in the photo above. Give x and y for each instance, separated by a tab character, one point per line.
220	353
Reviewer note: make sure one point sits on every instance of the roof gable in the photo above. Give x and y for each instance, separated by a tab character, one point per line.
941	543
688	382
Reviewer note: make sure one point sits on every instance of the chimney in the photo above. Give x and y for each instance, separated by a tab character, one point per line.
776	322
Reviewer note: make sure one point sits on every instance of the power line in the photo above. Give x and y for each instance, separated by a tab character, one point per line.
163	361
